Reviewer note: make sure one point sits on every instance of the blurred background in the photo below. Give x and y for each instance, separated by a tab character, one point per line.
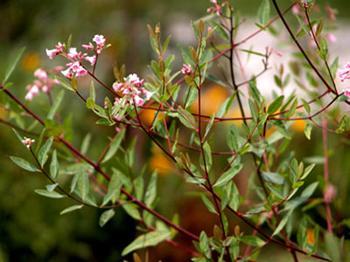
30	226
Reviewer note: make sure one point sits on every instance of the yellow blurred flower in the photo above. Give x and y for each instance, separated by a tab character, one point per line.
212	99
299	125
30	61
160	162
310	236
147	116
3	113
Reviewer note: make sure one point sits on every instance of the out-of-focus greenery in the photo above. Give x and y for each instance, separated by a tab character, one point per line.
30	227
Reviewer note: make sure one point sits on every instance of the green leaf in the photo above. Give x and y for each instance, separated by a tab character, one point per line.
83	185
275	105
204	244
273	178
86	143
132	210
146	240
308	130
282	224
54	166
114	187
186	118
13	65
307	193
106	216
207	156
115	144
51	187
229	174
151	192
71	209
43	152
24	164
264	11
48	194
226	106
57	102
208	203
307	171
253	241
20	138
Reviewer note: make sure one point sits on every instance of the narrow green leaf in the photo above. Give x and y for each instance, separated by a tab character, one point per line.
207	156
54	166
282	224
13	65
71	209
151	192
274	178
229	174
43	152
146	240
106	216
57	102
20	138
208	204
115	144
253	241
186	118
307	193
132	210
48	194
307	171
264	11
308	130
275	105
86	143
84	185
24	164
113	192
51	187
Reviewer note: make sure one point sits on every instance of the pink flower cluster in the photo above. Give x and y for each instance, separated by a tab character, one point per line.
27	142
76	58
186	69
132	91
216	8
344	73
42	83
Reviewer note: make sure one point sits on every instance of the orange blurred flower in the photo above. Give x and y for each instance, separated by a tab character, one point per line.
160	162
310	236
30	61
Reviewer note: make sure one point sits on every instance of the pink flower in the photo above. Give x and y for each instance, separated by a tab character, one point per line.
139	101
33	91
40	74
73	54
347	92
344	73
296	9
331	38
135	80
67	73
80	72
117	86
329	193
186	69
132	91
216	8
100	40
88	47
91	59
52	53
27	142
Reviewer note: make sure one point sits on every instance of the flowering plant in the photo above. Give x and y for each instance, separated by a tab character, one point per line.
275	208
